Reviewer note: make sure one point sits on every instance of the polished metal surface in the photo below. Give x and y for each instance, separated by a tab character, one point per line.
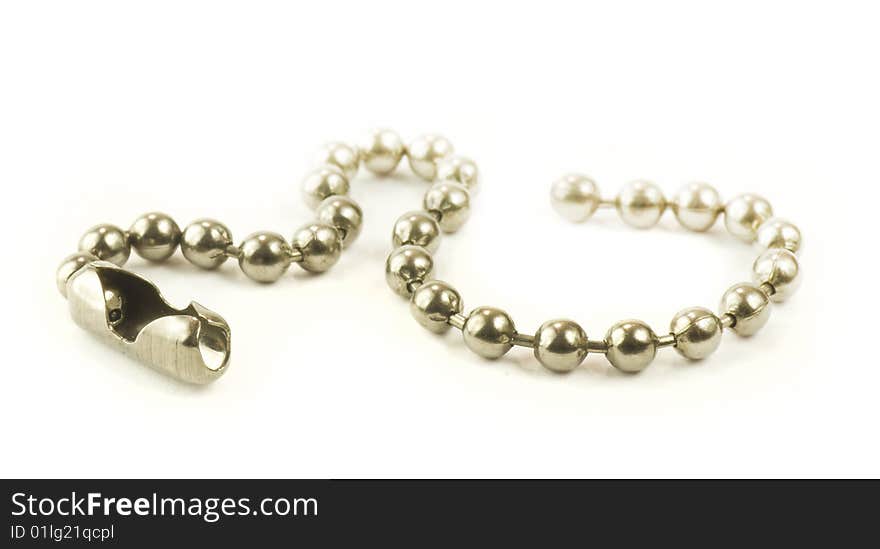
405	265
631	346
381	151
69	266
779	268
575	197
696	206
452	201
320	245
424	152
489	332
640	204
341	155
154	236
460	169
417	228
744	214
204	243
749	307
343	213
561	345
265	256
779	233
433	303
328	180
107	242
697	332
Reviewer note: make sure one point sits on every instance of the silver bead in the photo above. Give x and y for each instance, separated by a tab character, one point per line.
575	197
417	228
640	204
324	182
697	332
69	266
779	268
749	307
407	265
320	246
265	256
696	206
381	151
779	233
460	169
489	332
560	345
343	213
631	345
744	214
341	155
204	243
424	152
433	303
107	242
453	203
154	236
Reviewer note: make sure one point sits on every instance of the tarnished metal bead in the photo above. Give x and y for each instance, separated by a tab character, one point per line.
779	268
779	233
560	345
575	197
460	169
749	307
453	203
69	266
697	332
744	214
107	242
417	228
204	243
324	182
343	213
343	156
381	151
696	206
424	152
265	256
433	303
631	345
489	332
640	204
320	246
154	236
407	265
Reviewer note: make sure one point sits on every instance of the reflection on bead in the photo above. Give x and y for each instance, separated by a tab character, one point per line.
575	197
204	243
779	268
560	345
460	169
744	214
640	204
433	303
319	244
107	242
424	152
749	307
381	151
343	213
489	332
69	266
323	182
452	201
417	228
697	332
154	236
340	155
696	206
407	265
265	256
779	233
631	345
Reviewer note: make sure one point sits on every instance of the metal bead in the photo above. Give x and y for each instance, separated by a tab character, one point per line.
779	268
460	169
489	332
381	151
453	203
424	152
575	197
154	236
631	345
341	155
560	345
417	228
406	265
265	256
204	243
433	303
779	233
697	332
749	307
324	182
107	242
696	206
320	246
744	214
69	266
343	213
640	204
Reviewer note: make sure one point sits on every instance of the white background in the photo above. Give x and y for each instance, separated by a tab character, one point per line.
112	109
